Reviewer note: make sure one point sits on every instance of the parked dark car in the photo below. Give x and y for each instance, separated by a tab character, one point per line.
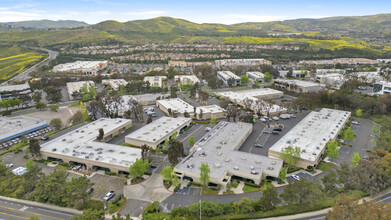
277	129
275	133
45	138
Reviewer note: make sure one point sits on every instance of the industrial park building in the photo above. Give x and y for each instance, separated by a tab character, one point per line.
180	108
115	84
76	87
85	67
156	81
225	76
311	135
14	91
382	88
299	86
242	62
187	79
81	146
219	149
256	76
157	132
251	98
15	127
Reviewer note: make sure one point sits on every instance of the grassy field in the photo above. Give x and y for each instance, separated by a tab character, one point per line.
14	60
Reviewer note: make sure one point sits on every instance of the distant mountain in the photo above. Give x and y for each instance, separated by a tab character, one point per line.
46	24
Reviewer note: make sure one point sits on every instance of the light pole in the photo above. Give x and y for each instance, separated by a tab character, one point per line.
200	209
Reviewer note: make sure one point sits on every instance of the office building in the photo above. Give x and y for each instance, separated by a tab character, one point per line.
114	84
15	127
187	79
156	81
85	67
227	76
298	86
256	76
75	87
14	91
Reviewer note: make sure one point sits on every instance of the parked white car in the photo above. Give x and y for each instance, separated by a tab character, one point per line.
296	177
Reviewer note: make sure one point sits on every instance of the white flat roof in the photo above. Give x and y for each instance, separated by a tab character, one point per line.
299	83
10	88
251	94
192	79
176	105
115	83
219	147
313	132
155	80
76	86
158	129
10	127
255	74
228	74
79	65
81	143
210	109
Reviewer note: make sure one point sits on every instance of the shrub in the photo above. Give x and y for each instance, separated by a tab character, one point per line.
251	184
189	184
177	188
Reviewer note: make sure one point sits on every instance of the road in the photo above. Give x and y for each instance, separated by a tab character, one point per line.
14	210
25	74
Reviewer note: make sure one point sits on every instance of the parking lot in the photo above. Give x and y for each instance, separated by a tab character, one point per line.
105	183
35	134
301	175
259	137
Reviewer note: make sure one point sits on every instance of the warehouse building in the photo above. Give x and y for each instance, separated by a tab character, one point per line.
298	86
311	135
75	87
156	81
187	79
219	149
114	84
334	80
81	146
85	67
253	100
14	91
179	107
256	76
157	132
225	76
15	127
382	88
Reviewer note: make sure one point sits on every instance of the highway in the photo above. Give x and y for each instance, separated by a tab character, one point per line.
25	74
10	210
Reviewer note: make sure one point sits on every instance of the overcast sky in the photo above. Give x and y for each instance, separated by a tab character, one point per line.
199	11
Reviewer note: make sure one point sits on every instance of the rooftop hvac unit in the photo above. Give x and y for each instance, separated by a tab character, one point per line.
270	168
227	159
313	153
251	167
217	165
219	153
273	162
257	161
254	172
303	151
236	168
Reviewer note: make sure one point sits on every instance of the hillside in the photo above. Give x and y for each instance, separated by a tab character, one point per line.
45	24
355	34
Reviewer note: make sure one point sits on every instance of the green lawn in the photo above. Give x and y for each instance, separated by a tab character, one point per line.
324	166
247	188
209	191
59	166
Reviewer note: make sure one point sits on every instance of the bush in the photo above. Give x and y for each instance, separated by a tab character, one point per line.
147	173
177	188
167	184
251	184
294	170
189	184
94	204
196	184
280	181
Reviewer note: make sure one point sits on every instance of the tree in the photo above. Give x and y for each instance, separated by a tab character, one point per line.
137	169
145	152
350	208
283	173
355	159
25	99
256	86
34	217
359	112
77	117
37	96
40	106
329	182
269	199
167	173
90	214
267	77
204	175
191	141
244	206
56	123
35	148
302	192
149	120
119	217
244	80
75	192
375	129
175	152
54	108
290	156
212	121
101	134
349	134
332	149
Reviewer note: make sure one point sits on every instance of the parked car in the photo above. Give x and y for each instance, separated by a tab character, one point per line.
267	132
277	129
263	120
109	196
296	177
293	116
152	114
9	165
208	129
275	118
356	122
258	145
275	133
45	138
362	88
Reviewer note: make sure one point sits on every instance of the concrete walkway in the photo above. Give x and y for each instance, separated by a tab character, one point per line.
238	189
150	190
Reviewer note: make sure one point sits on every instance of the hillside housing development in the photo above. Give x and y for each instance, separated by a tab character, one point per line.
242	62
15	127
81	146
219	149
157	131
85	67
14	91
73	87
311	135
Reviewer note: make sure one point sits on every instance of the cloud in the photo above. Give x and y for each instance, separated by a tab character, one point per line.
99	13
8	16
238	18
